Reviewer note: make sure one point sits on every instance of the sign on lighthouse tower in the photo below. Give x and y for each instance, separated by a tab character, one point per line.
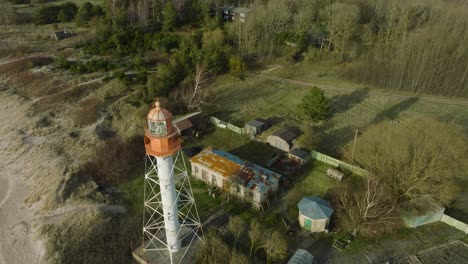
170	219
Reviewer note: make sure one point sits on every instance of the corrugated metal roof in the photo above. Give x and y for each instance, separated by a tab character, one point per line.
301	256
255	123
315	208
300	153
223	164
286	134
249	175
183	124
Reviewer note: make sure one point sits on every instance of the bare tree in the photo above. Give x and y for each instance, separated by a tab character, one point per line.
340	21
276	247
255	236
238	258
199	94
236	227
367	208
214	250
416	157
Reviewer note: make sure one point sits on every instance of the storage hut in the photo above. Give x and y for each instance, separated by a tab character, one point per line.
299	155
301	256
282	139
314	214
255	127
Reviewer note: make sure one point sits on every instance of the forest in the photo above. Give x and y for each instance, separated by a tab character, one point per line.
413	46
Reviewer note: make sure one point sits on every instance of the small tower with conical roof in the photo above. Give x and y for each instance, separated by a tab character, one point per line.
170	218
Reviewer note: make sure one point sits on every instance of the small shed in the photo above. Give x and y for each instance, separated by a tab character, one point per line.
62	34
187	123
301	256
254	127
314	214
282	139
299	155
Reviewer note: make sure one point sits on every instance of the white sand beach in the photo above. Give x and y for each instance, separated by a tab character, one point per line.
17	239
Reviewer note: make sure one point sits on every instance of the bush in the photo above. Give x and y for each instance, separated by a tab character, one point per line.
53	14
236	66
86	12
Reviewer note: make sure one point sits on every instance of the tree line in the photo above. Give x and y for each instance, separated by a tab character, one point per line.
417	46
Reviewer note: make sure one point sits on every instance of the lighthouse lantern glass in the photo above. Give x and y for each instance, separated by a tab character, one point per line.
158	128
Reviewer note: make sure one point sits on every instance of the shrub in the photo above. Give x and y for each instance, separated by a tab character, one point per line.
53	14
236	66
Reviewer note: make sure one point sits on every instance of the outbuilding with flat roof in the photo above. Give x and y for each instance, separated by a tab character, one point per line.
254	127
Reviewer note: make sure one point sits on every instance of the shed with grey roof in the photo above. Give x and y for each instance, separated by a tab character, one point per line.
314	214
299	155
301	256
282	139
254	127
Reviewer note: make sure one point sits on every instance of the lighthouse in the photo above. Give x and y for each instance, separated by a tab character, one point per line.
162	142
170	218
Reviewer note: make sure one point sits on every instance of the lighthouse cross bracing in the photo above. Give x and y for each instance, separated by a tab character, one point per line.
184	228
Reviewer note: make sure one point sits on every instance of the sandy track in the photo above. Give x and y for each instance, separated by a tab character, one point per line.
17	242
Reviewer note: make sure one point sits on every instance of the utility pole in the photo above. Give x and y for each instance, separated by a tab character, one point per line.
354	144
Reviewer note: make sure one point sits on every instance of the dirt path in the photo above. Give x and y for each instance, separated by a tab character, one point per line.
425	98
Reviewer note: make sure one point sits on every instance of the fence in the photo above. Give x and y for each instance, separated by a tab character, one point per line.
412	220
455	223
222	124
338	163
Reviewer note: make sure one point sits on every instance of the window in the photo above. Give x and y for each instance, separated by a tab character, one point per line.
196	168
238	188
204	175
213	179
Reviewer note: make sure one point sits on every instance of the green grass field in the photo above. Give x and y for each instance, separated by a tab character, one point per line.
255	97
312	181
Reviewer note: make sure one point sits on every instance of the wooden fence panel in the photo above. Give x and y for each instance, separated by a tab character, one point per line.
338	163
455	223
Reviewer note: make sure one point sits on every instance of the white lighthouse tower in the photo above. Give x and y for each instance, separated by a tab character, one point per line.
170	219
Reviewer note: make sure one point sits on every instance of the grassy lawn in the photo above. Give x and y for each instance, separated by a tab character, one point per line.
349	110
239	145
312	182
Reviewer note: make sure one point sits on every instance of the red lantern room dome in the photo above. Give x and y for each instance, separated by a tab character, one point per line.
158	114
161	138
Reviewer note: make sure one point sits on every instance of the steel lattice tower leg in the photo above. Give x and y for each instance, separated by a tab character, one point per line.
170	218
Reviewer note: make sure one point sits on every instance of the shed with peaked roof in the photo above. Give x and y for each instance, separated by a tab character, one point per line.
282	139
314	214
301	256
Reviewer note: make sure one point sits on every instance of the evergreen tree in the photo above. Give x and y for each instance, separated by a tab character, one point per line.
315	105
169	17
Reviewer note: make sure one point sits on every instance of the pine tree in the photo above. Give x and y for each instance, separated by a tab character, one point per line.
315	105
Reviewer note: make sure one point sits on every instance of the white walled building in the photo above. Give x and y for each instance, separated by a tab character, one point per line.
243	179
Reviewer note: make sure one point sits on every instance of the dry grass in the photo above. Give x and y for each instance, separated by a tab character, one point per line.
87	112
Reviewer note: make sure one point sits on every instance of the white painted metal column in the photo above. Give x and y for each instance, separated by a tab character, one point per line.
169	202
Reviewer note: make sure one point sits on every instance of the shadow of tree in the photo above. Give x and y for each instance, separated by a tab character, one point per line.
393	112
344	102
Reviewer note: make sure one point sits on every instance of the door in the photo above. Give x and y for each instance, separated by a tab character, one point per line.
308	224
